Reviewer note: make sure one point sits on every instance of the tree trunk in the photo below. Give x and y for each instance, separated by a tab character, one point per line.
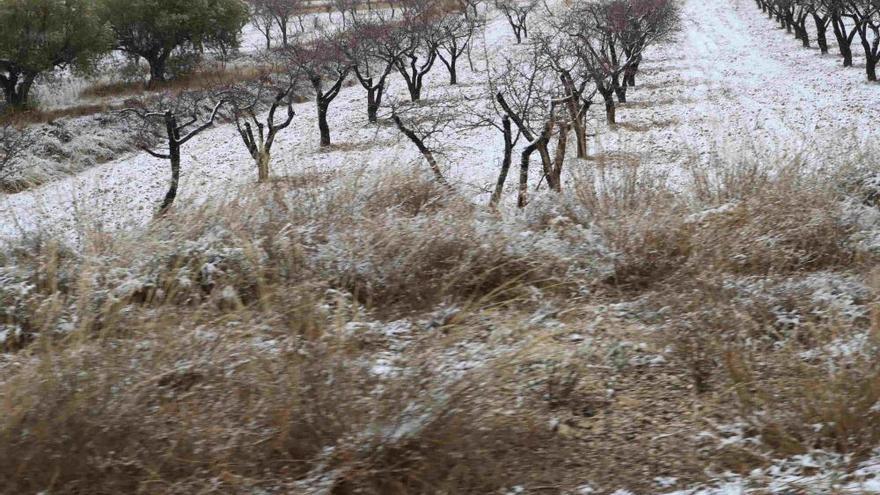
16	90
523	198
453	71
619	89
804	35
843	43
424	150
263	165
415	90
554	180
372	106
821	33
870	53
505	164
547	163
871	67
171	195
574	112
157	71
629	77
610	108
323	126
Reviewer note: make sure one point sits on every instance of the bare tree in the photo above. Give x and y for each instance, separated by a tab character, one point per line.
320	61
847	18
455	32
277	12
421	128
262	20
529	95
594	29
639	24
245	109
866	16
517	14
497	119
374	47
841	28
183	118
420	55
559	57
821	19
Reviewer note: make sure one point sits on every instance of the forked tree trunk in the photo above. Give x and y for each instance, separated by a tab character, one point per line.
453	72
844	41
870	46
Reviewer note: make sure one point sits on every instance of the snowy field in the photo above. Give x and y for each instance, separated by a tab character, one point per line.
731	88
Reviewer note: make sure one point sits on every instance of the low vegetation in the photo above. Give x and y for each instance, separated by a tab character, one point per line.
242	345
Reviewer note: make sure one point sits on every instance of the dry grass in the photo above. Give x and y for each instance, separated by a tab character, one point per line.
213	354
36	116
183	411
236	346
756	277
202	79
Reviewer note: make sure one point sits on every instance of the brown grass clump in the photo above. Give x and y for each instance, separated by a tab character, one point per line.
816	395
216	352
746	222
754	276
37	116
312	336
183	411
201	79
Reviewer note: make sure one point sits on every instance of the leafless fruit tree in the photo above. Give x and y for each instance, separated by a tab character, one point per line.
245	110
423	124
421	53
517	14
847	18
456	31
529	95
183	117
374	47
268	14
320	61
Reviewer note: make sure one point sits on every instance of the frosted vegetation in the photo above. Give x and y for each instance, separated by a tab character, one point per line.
439	247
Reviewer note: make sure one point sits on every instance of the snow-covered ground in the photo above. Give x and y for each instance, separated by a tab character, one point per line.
731	87
736	87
